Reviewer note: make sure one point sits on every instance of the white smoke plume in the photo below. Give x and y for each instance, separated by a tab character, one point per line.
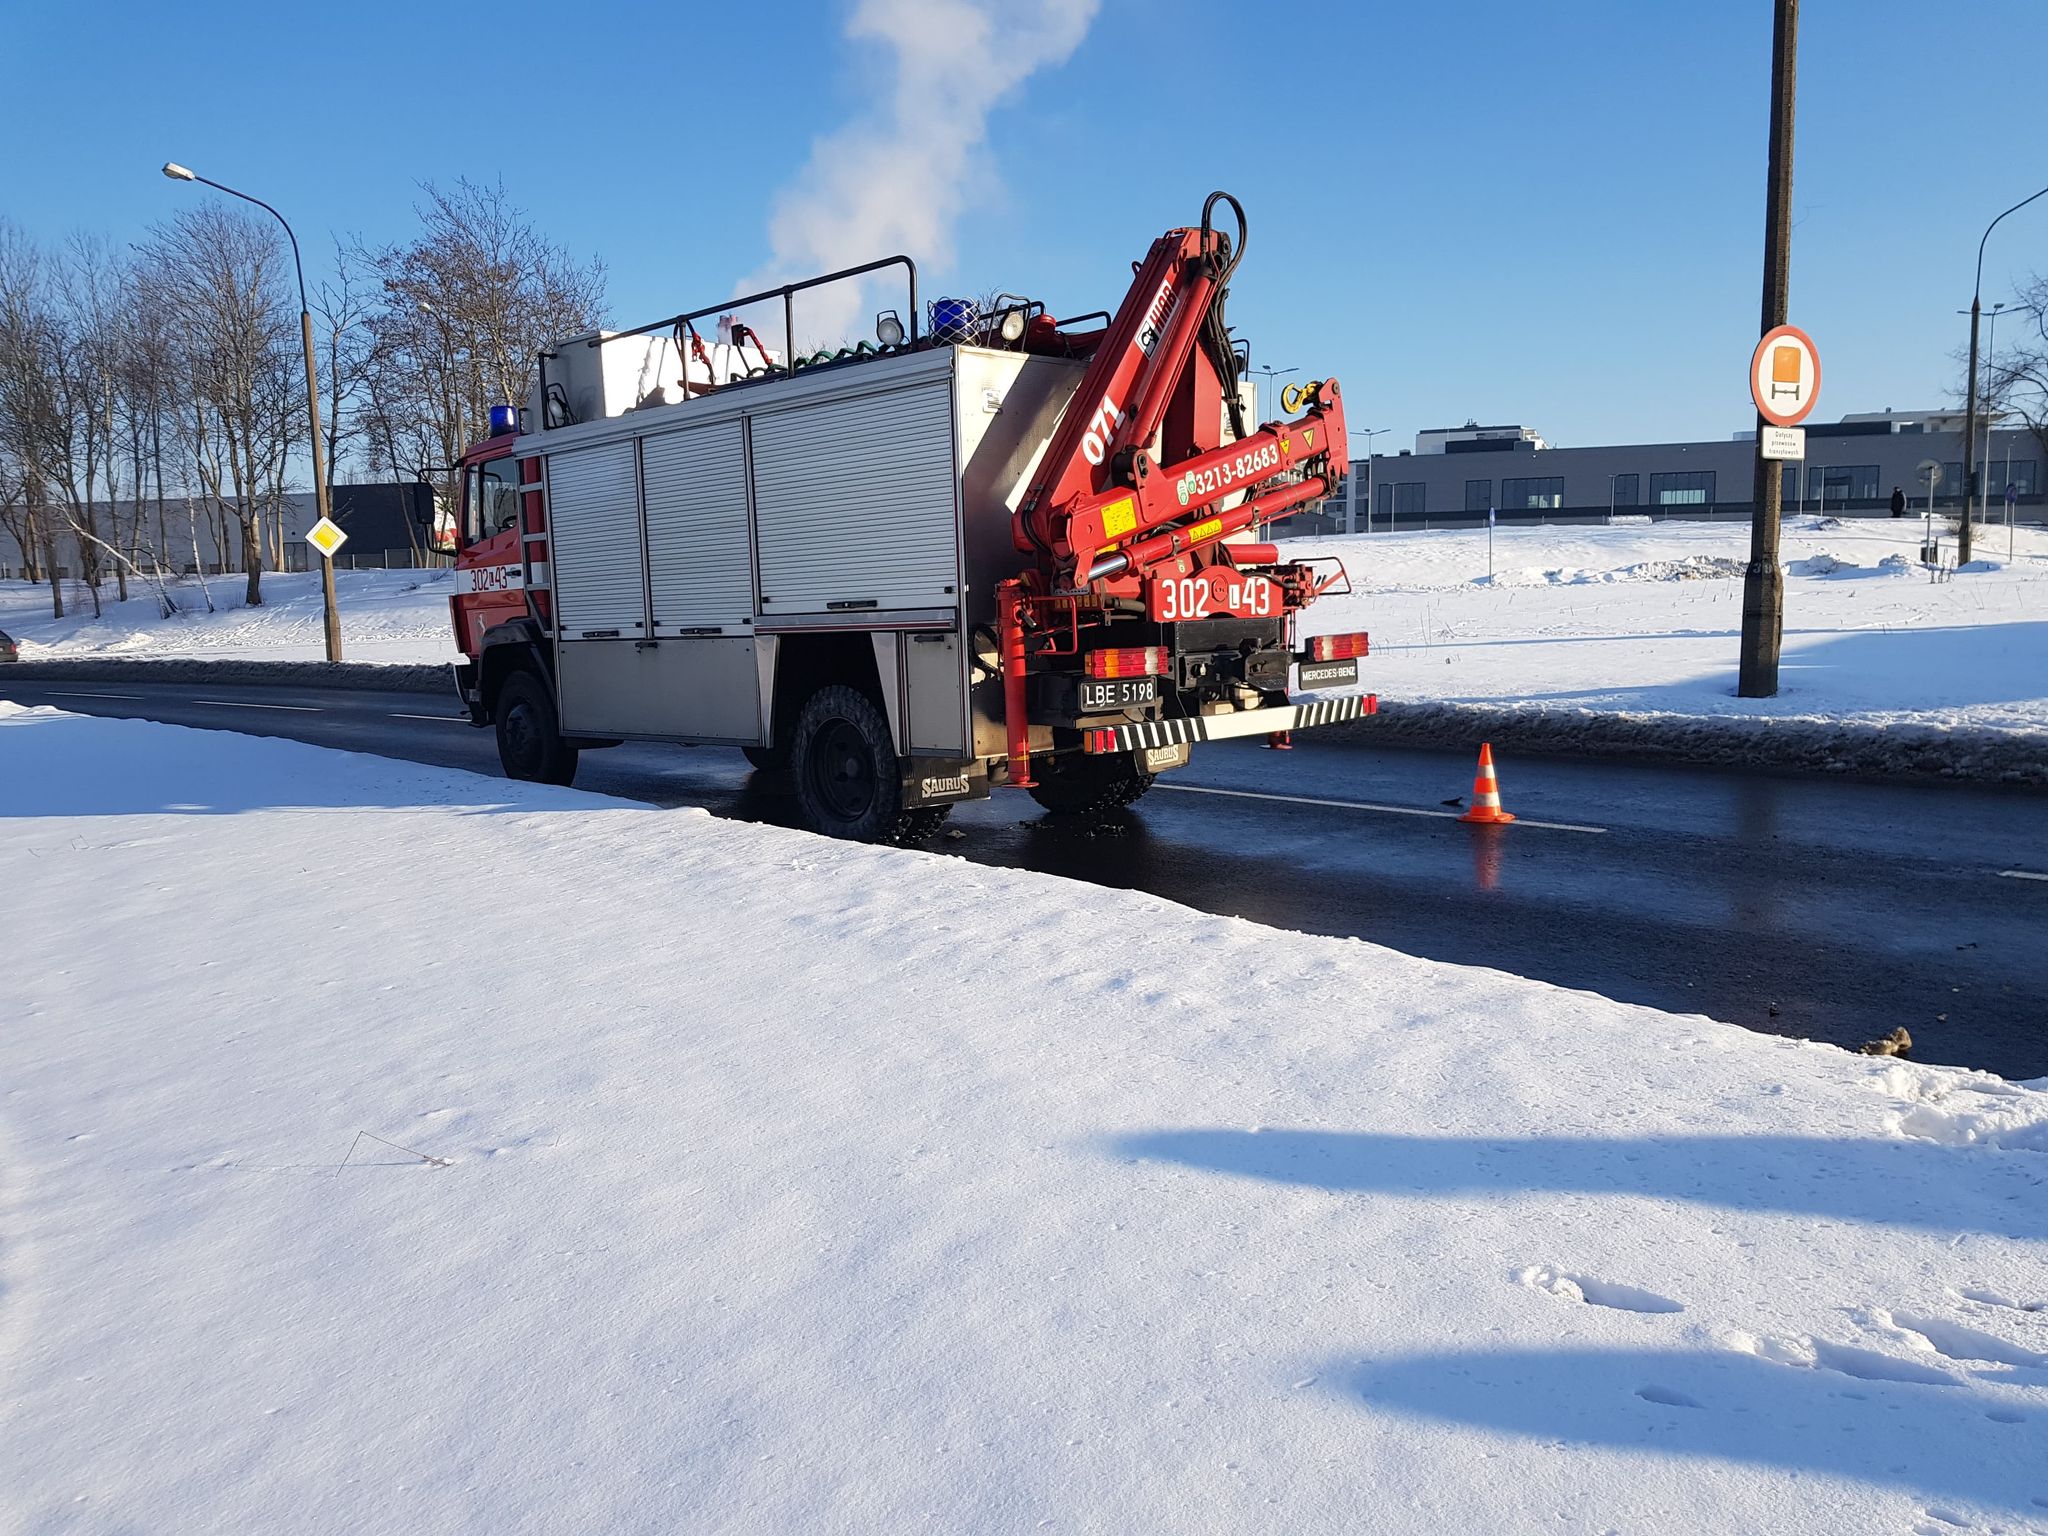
898	179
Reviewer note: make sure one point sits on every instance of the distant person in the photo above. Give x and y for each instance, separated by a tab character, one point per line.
1898	502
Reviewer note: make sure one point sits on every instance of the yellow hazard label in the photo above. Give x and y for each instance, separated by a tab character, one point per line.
1286	445
1308	437
1119	517
1207	530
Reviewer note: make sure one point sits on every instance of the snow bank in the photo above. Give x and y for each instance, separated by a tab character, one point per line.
731	1180
1630	635
1593	638
386	616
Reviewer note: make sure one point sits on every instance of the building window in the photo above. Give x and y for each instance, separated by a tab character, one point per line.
1844	483
1690	488
1478	495
1788	486
1524	494
2018	473
1626	489
1410	498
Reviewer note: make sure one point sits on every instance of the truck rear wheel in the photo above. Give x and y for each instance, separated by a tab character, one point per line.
1080	784
530	744
847	781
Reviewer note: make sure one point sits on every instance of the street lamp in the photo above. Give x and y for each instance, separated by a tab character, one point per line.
1368	434
1272	374
1970	412
331	618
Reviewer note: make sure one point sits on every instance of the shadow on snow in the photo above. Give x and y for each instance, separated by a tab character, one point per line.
1892	1182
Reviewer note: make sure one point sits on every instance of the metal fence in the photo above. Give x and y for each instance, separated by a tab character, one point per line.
1316	524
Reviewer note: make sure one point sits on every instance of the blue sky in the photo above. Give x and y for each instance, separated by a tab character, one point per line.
1550	215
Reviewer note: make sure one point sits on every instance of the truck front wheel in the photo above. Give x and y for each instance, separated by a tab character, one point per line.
847	781
1081	784
530	744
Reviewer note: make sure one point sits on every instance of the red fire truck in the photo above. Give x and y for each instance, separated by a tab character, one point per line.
992	548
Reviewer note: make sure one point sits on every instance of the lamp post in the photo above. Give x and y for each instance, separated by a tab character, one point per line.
1970	411
331	618
1272	374
1368	434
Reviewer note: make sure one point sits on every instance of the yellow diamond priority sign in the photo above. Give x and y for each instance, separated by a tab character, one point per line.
326	536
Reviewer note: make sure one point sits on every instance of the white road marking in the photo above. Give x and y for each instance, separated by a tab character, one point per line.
67	693
2023	874
1364	805
444	719
302	709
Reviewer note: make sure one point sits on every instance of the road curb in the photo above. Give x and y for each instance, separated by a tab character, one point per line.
1798	745
363	676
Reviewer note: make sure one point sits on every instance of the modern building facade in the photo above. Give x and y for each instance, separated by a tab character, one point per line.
1455	475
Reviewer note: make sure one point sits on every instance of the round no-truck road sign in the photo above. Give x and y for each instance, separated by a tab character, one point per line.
1784	376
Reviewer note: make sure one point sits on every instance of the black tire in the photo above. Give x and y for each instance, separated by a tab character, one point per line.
768	759
1078	784
530	744
847	781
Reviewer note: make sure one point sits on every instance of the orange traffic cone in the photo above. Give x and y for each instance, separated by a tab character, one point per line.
1486	793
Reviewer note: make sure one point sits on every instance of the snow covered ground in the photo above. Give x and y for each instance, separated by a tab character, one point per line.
386	616
1634	620
1644	620
758	1183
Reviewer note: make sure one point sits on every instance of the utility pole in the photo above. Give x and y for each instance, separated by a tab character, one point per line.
1763	584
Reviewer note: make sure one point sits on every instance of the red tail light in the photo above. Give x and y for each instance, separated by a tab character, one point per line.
1128	661
1337	647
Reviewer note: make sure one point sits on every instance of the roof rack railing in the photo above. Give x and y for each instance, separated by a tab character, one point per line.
787	293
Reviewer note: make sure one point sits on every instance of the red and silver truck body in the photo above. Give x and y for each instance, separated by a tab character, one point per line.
854	567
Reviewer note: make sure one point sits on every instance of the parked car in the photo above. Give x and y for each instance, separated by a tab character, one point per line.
9	651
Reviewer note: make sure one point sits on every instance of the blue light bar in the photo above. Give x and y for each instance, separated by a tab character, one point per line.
504	418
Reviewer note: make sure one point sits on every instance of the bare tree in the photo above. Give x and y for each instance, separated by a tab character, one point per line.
219	276
2016	384
86	360
460	313
148	364
29	351
343	342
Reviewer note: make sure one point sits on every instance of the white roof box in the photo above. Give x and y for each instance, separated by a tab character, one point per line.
630	373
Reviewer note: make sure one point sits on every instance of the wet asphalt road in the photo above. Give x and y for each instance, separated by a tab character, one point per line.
1824	908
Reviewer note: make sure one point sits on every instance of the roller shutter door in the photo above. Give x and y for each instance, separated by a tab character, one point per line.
854	503
594	542
695	484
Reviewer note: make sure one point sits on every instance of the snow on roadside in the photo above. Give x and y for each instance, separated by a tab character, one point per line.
780	1185
1590	629
1642	621
386	616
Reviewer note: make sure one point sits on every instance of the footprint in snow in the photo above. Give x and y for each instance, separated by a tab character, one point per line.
1669	1397
1960	1342
1593	1290
1807	1353
2000	1299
